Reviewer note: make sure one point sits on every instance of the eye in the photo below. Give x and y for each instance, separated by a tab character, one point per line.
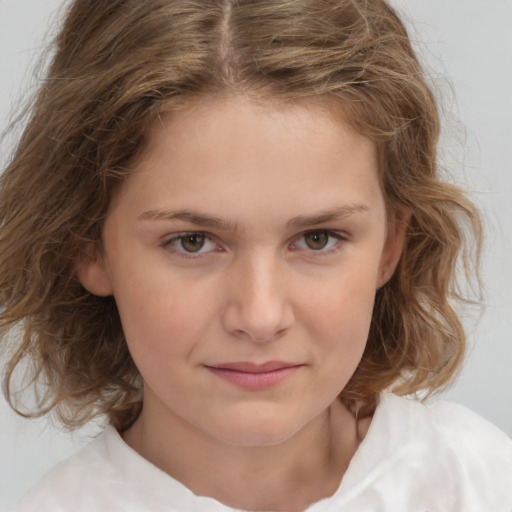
319	240
190	243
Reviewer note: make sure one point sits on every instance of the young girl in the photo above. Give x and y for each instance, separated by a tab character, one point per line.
223	230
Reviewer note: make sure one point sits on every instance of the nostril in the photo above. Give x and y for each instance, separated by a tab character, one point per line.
280	333
258	337
240	333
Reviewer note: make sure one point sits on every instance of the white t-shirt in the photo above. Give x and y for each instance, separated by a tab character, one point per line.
414	458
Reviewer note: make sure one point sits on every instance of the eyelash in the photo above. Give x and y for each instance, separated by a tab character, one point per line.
338	236
168	243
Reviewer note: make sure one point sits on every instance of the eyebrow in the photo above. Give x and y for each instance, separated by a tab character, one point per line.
200	219
209	221
327	216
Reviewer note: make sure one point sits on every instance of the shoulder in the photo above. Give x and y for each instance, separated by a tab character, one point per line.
58	489
99	477
439	456
465	453
108	475
450	425
454	432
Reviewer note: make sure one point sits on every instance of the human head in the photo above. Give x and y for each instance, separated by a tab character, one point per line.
116	67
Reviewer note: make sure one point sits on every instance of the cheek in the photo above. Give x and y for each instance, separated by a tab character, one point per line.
163	317
341	315
347	300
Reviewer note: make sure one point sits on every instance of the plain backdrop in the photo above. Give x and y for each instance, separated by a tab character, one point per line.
467	45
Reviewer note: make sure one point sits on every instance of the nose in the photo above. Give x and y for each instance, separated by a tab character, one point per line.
257	307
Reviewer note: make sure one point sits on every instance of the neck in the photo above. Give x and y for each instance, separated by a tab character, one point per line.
287	476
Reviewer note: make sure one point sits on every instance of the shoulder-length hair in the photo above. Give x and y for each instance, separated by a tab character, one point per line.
117	64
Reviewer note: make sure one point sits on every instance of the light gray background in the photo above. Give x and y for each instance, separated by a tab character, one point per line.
467	43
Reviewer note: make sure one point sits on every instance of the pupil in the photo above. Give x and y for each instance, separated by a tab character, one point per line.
193	243
316	240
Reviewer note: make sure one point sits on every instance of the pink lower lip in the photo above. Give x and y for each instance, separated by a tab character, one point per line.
254	380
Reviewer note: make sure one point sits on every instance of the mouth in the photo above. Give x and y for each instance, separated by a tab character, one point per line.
249	375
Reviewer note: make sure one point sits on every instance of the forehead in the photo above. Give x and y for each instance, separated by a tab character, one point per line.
232	153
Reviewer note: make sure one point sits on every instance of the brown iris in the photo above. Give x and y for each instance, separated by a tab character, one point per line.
192	242
316	240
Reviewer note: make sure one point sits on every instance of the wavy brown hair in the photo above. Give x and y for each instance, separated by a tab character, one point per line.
116	65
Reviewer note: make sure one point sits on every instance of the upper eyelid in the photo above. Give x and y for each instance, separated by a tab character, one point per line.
337	233
166	240
207	234
167	244
340	236
181	234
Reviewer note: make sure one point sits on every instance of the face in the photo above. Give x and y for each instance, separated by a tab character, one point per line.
244	253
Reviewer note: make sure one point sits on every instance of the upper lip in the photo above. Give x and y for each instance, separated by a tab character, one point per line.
250	367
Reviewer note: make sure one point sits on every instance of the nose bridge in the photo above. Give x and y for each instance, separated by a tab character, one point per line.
258	306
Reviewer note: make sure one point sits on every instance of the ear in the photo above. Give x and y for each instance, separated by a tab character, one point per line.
94	276
394	245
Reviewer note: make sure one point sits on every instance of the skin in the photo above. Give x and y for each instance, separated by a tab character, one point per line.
287	243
